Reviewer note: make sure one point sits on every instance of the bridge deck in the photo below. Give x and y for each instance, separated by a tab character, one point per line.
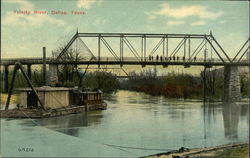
107	61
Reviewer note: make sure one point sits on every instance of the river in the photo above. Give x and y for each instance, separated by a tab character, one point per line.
135	124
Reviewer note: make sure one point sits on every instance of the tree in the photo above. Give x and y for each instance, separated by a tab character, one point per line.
67	72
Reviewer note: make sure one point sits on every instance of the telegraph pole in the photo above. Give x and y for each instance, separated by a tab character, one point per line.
44	66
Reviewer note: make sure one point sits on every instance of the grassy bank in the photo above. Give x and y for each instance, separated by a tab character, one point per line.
225	151
236	152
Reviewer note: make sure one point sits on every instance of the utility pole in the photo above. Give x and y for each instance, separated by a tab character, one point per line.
204	75
44	66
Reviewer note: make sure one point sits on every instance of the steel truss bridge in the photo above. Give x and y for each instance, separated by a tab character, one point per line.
134	49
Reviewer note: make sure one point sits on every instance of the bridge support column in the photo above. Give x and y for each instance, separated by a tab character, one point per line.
231	84
29	71
6	78
53	75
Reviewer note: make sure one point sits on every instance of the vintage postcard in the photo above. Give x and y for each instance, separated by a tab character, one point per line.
125	78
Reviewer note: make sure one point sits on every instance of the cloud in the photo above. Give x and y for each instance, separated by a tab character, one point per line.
176	22
14	19
87	4
150	15
222	21
23	4
187	11
198	23
99	21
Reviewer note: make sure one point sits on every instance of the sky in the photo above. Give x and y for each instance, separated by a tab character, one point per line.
24	35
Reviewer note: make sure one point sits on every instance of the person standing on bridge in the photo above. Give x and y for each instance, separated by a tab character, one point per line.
195	58
177	58
157	57
174	58
161	58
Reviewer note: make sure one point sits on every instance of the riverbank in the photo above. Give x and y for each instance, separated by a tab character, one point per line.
240	150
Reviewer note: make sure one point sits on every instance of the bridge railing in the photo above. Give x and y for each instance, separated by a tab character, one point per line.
11	61
161	59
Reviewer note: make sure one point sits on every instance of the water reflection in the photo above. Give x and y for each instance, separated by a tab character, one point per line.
70	124
231	114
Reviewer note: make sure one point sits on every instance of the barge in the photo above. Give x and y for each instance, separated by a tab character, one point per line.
54	101
46	101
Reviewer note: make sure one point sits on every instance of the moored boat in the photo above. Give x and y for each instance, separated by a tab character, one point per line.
54	101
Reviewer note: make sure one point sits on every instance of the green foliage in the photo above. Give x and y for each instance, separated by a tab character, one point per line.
172	85
20	81
245	84
182	85
68	84
37	78
106	81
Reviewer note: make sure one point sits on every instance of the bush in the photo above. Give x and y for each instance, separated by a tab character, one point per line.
172	85
106	81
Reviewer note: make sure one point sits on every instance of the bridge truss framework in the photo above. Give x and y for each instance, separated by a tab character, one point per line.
143	55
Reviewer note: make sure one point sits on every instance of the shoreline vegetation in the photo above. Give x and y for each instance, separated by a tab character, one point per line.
182	85
239	150
171	85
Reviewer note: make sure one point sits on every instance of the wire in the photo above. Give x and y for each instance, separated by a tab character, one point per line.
137	148
109	145
30	118
119	147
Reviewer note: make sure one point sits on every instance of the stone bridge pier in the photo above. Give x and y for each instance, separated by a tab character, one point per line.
231	84
53	75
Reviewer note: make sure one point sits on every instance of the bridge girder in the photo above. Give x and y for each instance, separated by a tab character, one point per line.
164	38
245	48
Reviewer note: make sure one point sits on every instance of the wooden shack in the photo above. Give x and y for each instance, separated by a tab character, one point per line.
51	97
87	97
57	101
58	97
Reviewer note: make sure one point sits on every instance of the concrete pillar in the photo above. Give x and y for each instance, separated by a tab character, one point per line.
53	75
29	71
6	78
231	84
